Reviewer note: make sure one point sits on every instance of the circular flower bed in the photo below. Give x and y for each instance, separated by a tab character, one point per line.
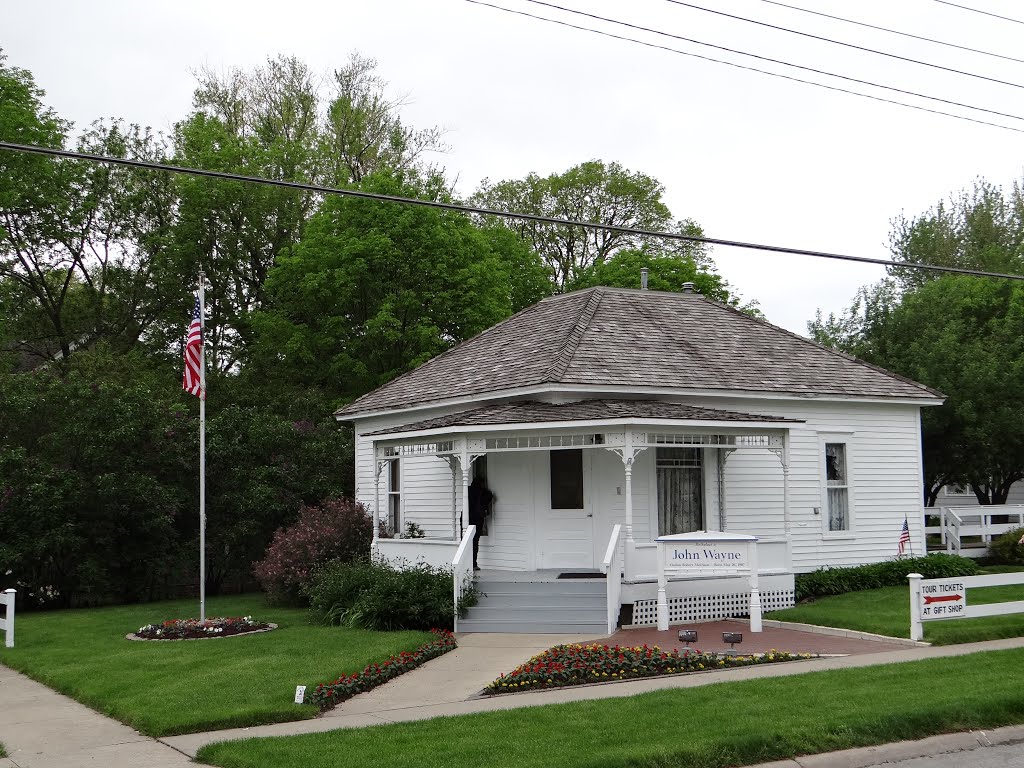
566	665
194	629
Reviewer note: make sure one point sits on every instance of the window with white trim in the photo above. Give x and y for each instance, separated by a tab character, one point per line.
957	490
837	485
395	496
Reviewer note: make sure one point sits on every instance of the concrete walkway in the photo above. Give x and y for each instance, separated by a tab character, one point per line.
43	729
450	685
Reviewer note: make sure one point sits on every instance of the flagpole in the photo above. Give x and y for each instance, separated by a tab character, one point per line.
202	449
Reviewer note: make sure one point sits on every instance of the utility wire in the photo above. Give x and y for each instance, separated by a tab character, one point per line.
846	45
894	31
747	68
318	188
764	58
978	10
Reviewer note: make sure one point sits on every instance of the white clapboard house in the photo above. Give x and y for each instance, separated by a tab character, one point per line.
604	418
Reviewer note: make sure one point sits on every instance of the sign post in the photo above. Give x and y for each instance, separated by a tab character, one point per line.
935	599
708	553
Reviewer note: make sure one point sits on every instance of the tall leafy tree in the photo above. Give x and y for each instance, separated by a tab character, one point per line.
376	288
81	244
960	335
592	192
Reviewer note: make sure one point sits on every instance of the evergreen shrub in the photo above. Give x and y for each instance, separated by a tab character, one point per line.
891	573
1007	549
379	596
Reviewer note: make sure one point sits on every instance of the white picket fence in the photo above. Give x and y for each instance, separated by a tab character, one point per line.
942	599
7	622
959	523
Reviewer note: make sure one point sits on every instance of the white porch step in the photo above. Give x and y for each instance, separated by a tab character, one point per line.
565	606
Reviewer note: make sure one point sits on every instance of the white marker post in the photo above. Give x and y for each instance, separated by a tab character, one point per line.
7	624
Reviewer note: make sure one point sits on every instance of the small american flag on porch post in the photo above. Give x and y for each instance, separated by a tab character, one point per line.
904	536
192	381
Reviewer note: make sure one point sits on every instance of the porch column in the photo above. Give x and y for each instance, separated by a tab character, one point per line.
785	499
455	506
627	462
377	466
467	470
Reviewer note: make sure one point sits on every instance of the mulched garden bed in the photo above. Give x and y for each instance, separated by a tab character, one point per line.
194	629
328	695
566	665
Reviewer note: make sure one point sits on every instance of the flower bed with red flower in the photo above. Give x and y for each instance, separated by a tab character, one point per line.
327	695
580	664
194	629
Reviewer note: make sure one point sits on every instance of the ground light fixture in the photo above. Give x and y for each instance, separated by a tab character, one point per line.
732	638
687	636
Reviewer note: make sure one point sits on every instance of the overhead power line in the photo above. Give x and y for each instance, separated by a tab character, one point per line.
978	10
771	60
321	189
744	66
846	45
895	32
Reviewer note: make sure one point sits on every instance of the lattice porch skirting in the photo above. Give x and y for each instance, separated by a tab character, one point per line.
708	607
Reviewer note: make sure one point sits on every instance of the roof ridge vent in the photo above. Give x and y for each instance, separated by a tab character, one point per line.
561	362
689	287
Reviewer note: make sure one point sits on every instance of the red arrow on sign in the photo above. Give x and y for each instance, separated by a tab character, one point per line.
943	599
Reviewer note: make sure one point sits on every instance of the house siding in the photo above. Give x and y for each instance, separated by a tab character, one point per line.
883	454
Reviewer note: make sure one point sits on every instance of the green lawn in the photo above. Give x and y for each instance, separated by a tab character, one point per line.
165	688
712	726
886	611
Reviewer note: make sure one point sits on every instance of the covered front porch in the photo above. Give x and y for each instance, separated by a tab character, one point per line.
587	488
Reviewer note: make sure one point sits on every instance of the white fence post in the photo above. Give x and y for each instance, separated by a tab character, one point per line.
8	621
755	592
916	628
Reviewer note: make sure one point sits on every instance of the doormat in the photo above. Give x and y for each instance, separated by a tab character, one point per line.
583	575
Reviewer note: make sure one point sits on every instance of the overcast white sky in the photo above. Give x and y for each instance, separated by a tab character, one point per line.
750	157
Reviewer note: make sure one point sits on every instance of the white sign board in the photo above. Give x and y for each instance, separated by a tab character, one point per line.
300	694
707	555
943	599
683	555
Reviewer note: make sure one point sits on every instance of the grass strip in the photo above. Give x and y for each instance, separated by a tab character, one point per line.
886	611
167	688
714	726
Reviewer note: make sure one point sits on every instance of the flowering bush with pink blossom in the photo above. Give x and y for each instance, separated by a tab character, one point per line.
336	530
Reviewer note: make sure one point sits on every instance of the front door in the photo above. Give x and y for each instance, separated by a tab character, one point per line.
568	540
680	490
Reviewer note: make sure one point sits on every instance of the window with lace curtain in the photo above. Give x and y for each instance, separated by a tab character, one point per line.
837	482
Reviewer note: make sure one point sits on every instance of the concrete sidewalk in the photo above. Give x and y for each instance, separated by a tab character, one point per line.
450	685
43	729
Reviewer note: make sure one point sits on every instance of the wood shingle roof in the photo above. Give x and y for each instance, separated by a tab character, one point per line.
641	340
535	412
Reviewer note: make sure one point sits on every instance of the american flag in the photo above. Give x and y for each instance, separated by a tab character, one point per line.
192	382
904	536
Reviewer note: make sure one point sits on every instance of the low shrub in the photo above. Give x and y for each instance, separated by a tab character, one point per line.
891	573
327	695
336	530
375	595
566	665
1007	549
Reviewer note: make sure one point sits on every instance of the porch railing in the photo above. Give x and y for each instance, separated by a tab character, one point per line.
959	523
462	570
611	566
